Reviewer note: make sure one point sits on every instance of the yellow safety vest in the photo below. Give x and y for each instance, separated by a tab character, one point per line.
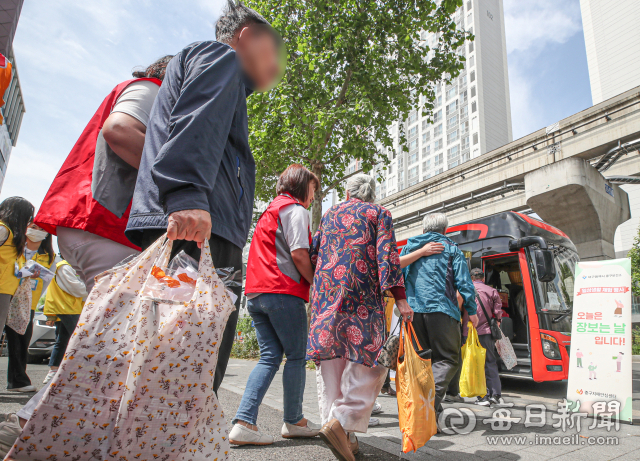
8	256
58	301
36	284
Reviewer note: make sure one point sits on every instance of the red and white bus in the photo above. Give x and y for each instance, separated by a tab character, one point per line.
532	265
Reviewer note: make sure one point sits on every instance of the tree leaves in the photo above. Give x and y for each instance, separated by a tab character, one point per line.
353	68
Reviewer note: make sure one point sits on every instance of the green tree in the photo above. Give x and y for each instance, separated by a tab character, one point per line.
634	255
354	67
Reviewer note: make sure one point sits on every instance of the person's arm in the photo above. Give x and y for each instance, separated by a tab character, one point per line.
69	282
497	306
429	249
125	136
465	285
303	263
187	165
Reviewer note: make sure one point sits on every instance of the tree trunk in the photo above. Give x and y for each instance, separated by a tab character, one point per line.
316	208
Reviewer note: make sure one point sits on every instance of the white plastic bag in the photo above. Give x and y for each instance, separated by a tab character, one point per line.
506	352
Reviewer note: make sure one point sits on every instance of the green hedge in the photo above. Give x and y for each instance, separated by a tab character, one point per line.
247	349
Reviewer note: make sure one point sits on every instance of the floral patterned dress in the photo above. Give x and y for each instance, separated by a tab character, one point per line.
356	260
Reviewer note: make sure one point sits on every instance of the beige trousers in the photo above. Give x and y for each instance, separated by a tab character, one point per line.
347	392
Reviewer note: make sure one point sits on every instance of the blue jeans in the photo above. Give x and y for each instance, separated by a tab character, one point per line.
281	328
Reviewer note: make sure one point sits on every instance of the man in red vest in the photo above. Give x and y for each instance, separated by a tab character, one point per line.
87	205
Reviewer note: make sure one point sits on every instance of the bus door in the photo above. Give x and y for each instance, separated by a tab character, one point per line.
507	273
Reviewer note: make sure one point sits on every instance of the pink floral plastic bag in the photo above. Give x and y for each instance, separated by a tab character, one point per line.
136	381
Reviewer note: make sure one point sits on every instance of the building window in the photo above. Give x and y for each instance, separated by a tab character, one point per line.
475	138
473	91
413	145
470	18
463	97
463	80
464	113
474	107
437	116
469	3
426	137
425	124
413	158
437	145
451	93
471	47
473	76
452	122
452	153
472	61
465	143
464	127
413	173
390	169
437	131
413	116
413	132
426	151
437	160
438	102
425	166
452	107
453	136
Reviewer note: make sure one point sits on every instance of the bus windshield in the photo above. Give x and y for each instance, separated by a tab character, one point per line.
556	297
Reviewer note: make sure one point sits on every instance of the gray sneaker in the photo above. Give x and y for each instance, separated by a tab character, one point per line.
9	432
453	399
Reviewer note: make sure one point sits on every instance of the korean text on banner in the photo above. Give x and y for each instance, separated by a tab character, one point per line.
600	359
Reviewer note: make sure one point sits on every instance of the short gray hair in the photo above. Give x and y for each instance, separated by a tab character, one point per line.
435	222
476	274
362	187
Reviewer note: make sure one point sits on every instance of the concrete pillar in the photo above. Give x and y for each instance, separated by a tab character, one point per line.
574	197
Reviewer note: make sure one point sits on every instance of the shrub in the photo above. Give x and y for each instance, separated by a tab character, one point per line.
635	343
248	348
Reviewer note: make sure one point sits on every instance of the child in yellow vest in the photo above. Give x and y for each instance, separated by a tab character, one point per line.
63	305
39	248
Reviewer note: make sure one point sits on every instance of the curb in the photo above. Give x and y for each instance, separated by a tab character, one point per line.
635	358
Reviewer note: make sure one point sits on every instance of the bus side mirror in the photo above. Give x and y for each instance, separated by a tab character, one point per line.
545	268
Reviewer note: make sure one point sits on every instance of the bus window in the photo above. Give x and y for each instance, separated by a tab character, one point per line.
556	297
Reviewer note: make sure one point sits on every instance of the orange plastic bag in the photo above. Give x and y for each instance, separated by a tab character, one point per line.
416	393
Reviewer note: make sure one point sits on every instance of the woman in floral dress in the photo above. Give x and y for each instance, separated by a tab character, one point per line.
356	260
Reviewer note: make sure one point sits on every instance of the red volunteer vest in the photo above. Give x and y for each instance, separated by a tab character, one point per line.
270	267
69	202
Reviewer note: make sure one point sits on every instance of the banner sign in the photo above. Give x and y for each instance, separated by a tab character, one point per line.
600	356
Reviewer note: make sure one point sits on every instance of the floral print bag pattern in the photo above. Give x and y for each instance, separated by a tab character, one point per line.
19	314
136	381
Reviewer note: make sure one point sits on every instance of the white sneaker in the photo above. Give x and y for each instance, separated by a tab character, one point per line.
377	408
290	431
241	435
49	376
374	422
9	432
24	389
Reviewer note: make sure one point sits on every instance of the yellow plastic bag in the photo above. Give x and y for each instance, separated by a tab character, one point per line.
416	393
472	379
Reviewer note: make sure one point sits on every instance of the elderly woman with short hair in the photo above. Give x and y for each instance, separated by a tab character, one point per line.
432	280
356	260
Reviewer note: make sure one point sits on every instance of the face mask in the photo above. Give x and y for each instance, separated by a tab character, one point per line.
36	235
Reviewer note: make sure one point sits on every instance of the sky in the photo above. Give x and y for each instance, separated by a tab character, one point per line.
71	53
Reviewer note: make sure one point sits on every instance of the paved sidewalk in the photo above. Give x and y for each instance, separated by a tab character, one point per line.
517	443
